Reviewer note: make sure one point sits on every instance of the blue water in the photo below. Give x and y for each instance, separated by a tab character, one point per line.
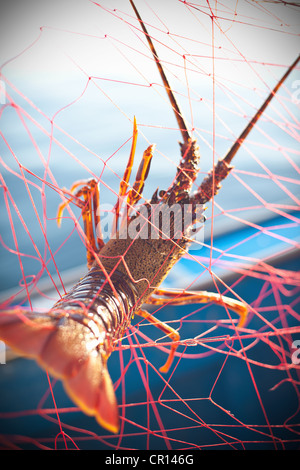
23	383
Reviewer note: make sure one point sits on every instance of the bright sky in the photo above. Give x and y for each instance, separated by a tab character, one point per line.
86	22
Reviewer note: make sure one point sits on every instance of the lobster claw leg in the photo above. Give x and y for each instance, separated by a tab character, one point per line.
168	330
90	210
135	193
162	296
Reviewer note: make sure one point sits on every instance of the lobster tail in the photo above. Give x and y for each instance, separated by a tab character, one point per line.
69	350
92	390
25	333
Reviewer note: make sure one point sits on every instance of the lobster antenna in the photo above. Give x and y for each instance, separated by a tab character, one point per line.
178	114
211	184
231	153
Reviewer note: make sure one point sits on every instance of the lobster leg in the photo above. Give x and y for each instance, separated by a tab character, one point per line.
135	193
124	182
168	330
162	296
90	214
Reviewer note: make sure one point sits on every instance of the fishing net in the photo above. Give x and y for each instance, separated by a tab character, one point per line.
72	79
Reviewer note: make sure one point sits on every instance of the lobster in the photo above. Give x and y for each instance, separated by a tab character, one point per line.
75	338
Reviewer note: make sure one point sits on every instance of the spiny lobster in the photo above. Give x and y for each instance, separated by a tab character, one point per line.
75	338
